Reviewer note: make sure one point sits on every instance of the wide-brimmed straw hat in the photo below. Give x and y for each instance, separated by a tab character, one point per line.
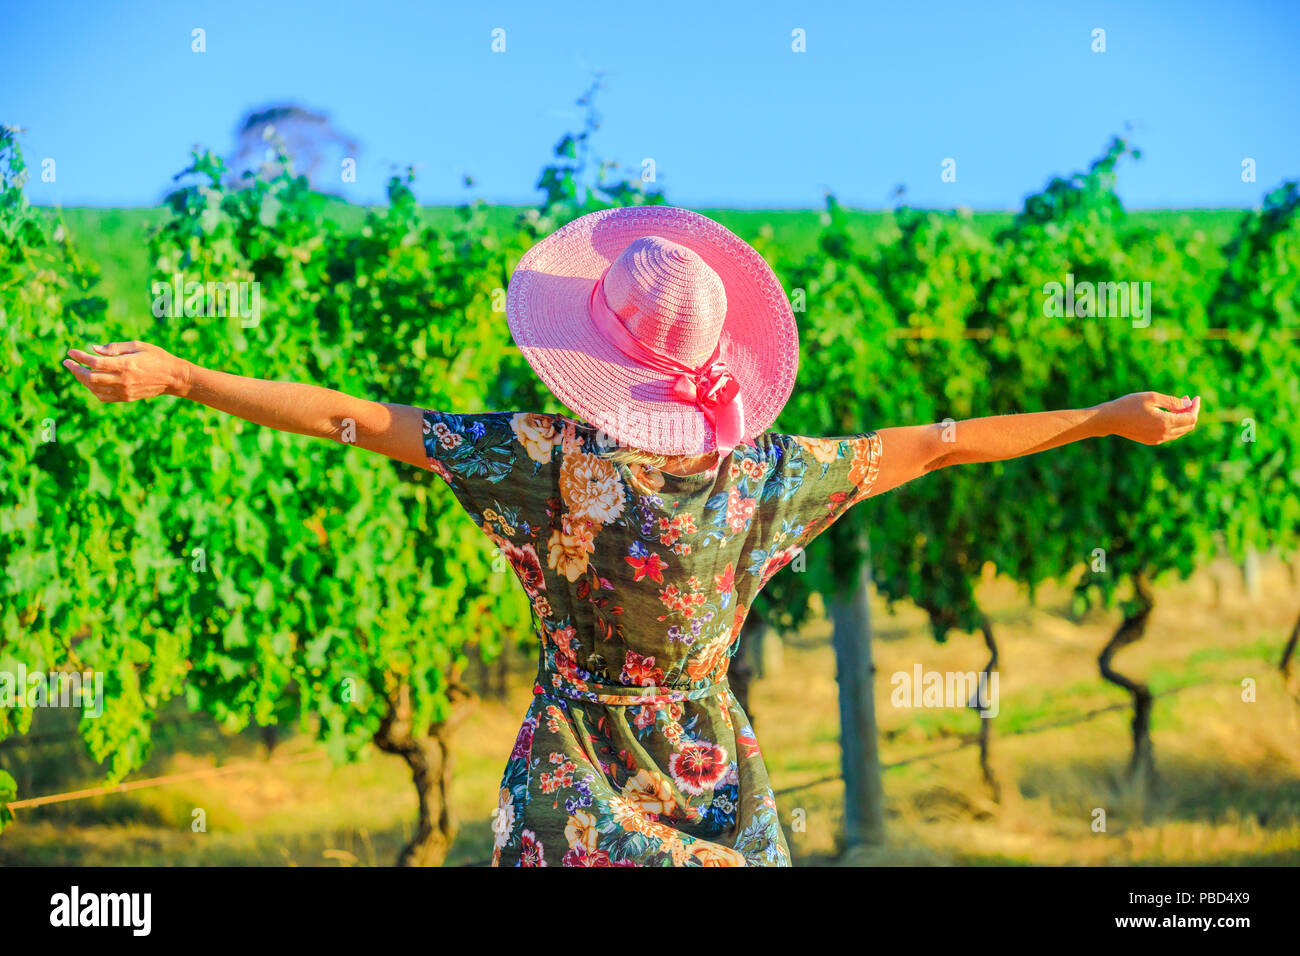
659	326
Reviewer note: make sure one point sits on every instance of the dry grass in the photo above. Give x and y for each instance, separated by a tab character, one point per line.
1229	771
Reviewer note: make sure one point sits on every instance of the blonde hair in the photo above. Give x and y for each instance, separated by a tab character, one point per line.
637	456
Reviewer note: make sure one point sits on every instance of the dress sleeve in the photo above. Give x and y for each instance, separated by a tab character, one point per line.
481	455
809	483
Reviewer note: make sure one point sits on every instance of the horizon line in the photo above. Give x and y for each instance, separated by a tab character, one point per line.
816	209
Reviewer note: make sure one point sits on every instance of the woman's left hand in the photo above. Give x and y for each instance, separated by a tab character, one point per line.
127	371
1151	418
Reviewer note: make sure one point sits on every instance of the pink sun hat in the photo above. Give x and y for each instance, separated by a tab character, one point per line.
658	325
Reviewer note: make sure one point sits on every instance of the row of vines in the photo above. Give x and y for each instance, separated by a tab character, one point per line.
267	579
943	323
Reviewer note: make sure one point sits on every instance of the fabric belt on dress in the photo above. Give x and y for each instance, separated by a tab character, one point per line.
550	683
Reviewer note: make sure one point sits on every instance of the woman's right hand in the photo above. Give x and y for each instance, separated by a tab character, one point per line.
1151	417
127	371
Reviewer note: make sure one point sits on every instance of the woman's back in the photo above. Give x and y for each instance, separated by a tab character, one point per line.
638	576
635	749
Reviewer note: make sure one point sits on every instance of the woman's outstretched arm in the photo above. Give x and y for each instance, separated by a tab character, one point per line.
127	371
1147	417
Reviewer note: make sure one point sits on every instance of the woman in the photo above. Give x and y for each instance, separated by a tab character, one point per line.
643	530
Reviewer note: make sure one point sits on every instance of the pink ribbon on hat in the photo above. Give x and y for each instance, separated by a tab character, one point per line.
711	387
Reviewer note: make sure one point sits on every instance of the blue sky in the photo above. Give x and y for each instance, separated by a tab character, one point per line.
711	91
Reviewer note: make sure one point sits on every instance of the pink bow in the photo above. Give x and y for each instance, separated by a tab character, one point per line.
711	387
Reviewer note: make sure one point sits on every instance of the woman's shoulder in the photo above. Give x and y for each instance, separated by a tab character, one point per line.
516	422
824	449
785	456
778	448
494	445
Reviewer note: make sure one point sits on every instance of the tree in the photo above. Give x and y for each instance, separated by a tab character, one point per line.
266	135
51	536
932	543
1256	308
842	345
1126	512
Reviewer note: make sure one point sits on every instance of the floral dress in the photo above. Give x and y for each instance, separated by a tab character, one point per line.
634	750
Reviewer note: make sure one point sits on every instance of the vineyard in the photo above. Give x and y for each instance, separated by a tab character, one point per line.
260	580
